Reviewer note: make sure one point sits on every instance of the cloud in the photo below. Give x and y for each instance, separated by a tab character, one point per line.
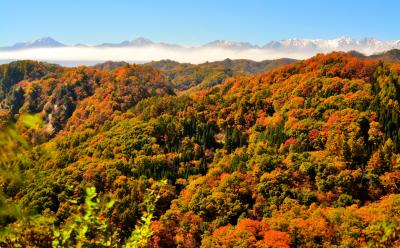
90	55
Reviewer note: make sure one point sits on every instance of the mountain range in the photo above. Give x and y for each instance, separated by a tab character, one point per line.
364	45
143	50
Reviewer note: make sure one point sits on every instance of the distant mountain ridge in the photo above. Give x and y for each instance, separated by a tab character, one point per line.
392	55
364	45
186	76
137	42
341	43
143	50
39	43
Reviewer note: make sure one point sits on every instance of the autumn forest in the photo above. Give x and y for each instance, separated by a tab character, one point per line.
236	153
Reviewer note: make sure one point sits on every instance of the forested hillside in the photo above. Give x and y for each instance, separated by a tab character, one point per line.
226	154
391	56
191	77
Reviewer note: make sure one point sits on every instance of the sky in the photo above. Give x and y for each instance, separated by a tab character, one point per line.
196	22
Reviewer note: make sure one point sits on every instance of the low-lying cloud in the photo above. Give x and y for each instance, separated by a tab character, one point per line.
89	55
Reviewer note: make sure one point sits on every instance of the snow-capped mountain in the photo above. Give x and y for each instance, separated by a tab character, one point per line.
139	42
365	45
43	42
230	44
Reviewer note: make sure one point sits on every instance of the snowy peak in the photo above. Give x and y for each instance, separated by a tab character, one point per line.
138	42
141	42
42	42
365	45
291	44
229	44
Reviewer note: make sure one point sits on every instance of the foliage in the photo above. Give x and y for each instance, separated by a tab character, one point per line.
305	155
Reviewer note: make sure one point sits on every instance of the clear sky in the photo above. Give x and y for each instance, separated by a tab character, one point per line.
196	22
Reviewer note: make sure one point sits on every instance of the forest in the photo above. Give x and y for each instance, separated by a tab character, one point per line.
234	153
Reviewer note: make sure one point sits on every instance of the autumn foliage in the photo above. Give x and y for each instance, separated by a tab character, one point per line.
306	155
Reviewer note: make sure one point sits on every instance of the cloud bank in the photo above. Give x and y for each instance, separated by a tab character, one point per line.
88	55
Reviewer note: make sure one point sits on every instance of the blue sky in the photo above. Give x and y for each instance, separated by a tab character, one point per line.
196	22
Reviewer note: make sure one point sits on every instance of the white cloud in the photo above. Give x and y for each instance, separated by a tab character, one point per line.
87	55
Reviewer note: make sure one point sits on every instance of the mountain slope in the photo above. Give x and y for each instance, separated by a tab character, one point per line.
109	65
304	155
187	76
389	56
28	70
84	96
